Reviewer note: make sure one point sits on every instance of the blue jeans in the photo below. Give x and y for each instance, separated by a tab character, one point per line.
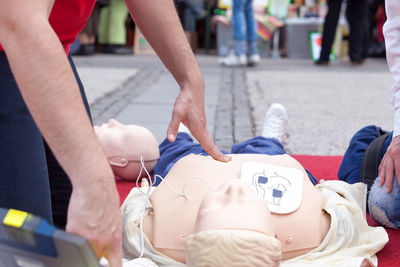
26	162
170	153
244	28
349	170
384	208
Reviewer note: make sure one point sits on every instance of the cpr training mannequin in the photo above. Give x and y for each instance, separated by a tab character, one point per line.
125	145
190	206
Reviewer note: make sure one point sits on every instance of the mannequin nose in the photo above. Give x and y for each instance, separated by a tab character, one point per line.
235	192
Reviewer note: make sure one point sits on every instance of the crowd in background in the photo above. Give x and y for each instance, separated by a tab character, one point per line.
110	29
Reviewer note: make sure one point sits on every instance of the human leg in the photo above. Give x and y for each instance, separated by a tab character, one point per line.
272	134
117	29
239	27
60	185
251	29
238	57
357	17
330	24
349	169
24	182
104	23
270	141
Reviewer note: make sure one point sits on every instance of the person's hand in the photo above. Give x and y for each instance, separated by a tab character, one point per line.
390	165
189	109
94	213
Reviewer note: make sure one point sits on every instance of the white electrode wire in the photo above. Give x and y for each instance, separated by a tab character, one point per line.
147	197
143	167
172	190
145	203
141	222
195	177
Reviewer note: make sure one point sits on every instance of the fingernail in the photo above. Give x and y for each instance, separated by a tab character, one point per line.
171	137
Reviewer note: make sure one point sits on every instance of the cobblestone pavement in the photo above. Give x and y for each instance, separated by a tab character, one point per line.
325	105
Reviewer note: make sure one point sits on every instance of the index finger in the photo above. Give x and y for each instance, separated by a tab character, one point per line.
389	171
207	143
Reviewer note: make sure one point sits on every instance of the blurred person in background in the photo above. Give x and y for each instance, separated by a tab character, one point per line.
87	37
190	11
376	19
112	29
245	36
356	14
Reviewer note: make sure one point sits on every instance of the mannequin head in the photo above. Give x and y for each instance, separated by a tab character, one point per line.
233	228
124	145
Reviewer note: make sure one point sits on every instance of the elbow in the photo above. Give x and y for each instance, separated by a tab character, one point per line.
10	28
15	29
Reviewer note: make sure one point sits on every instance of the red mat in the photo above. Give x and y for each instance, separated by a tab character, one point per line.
322	167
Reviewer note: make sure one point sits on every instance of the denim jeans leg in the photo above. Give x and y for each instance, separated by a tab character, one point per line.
239	27
259	145
252	35
24	182
349	170
385	208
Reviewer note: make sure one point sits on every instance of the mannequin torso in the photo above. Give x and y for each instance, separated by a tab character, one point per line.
173	217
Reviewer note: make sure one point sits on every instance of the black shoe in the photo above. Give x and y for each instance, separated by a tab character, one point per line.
357	63
116	49
85	50
321	62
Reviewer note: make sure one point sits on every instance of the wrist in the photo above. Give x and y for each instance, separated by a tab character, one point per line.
192	79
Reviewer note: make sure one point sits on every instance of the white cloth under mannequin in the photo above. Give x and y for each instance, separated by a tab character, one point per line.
349	242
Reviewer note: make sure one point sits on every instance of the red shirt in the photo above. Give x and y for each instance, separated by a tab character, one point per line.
68	17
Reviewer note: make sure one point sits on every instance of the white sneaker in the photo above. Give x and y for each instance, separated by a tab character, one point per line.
234	60
253	59
275	122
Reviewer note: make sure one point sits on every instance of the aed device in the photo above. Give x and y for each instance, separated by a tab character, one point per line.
29	241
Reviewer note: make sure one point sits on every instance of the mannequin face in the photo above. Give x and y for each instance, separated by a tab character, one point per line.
124	145
234	205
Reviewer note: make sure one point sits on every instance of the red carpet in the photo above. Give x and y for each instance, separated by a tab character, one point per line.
326	167
322	167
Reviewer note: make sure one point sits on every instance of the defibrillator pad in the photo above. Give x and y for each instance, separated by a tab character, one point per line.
280	187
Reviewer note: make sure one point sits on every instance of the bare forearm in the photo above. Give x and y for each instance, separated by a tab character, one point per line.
160	24
51	93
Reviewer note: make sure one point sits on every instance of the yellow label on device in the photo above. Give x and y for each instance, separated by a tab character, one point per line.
15	218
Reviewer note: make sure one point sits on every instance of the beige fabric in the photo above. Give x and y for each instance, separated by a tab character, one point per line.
349	242
131	211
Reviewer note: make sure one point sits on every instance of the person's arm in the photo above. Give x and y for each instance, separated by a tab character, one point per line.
390	164
50	91
159	23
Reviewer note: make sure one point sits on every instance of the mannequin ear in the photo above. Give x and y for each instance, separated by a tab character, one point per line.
119	160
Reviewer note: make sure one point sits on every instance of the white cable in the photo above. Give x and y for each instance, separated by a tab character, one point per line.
147	197
172	190
195	177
